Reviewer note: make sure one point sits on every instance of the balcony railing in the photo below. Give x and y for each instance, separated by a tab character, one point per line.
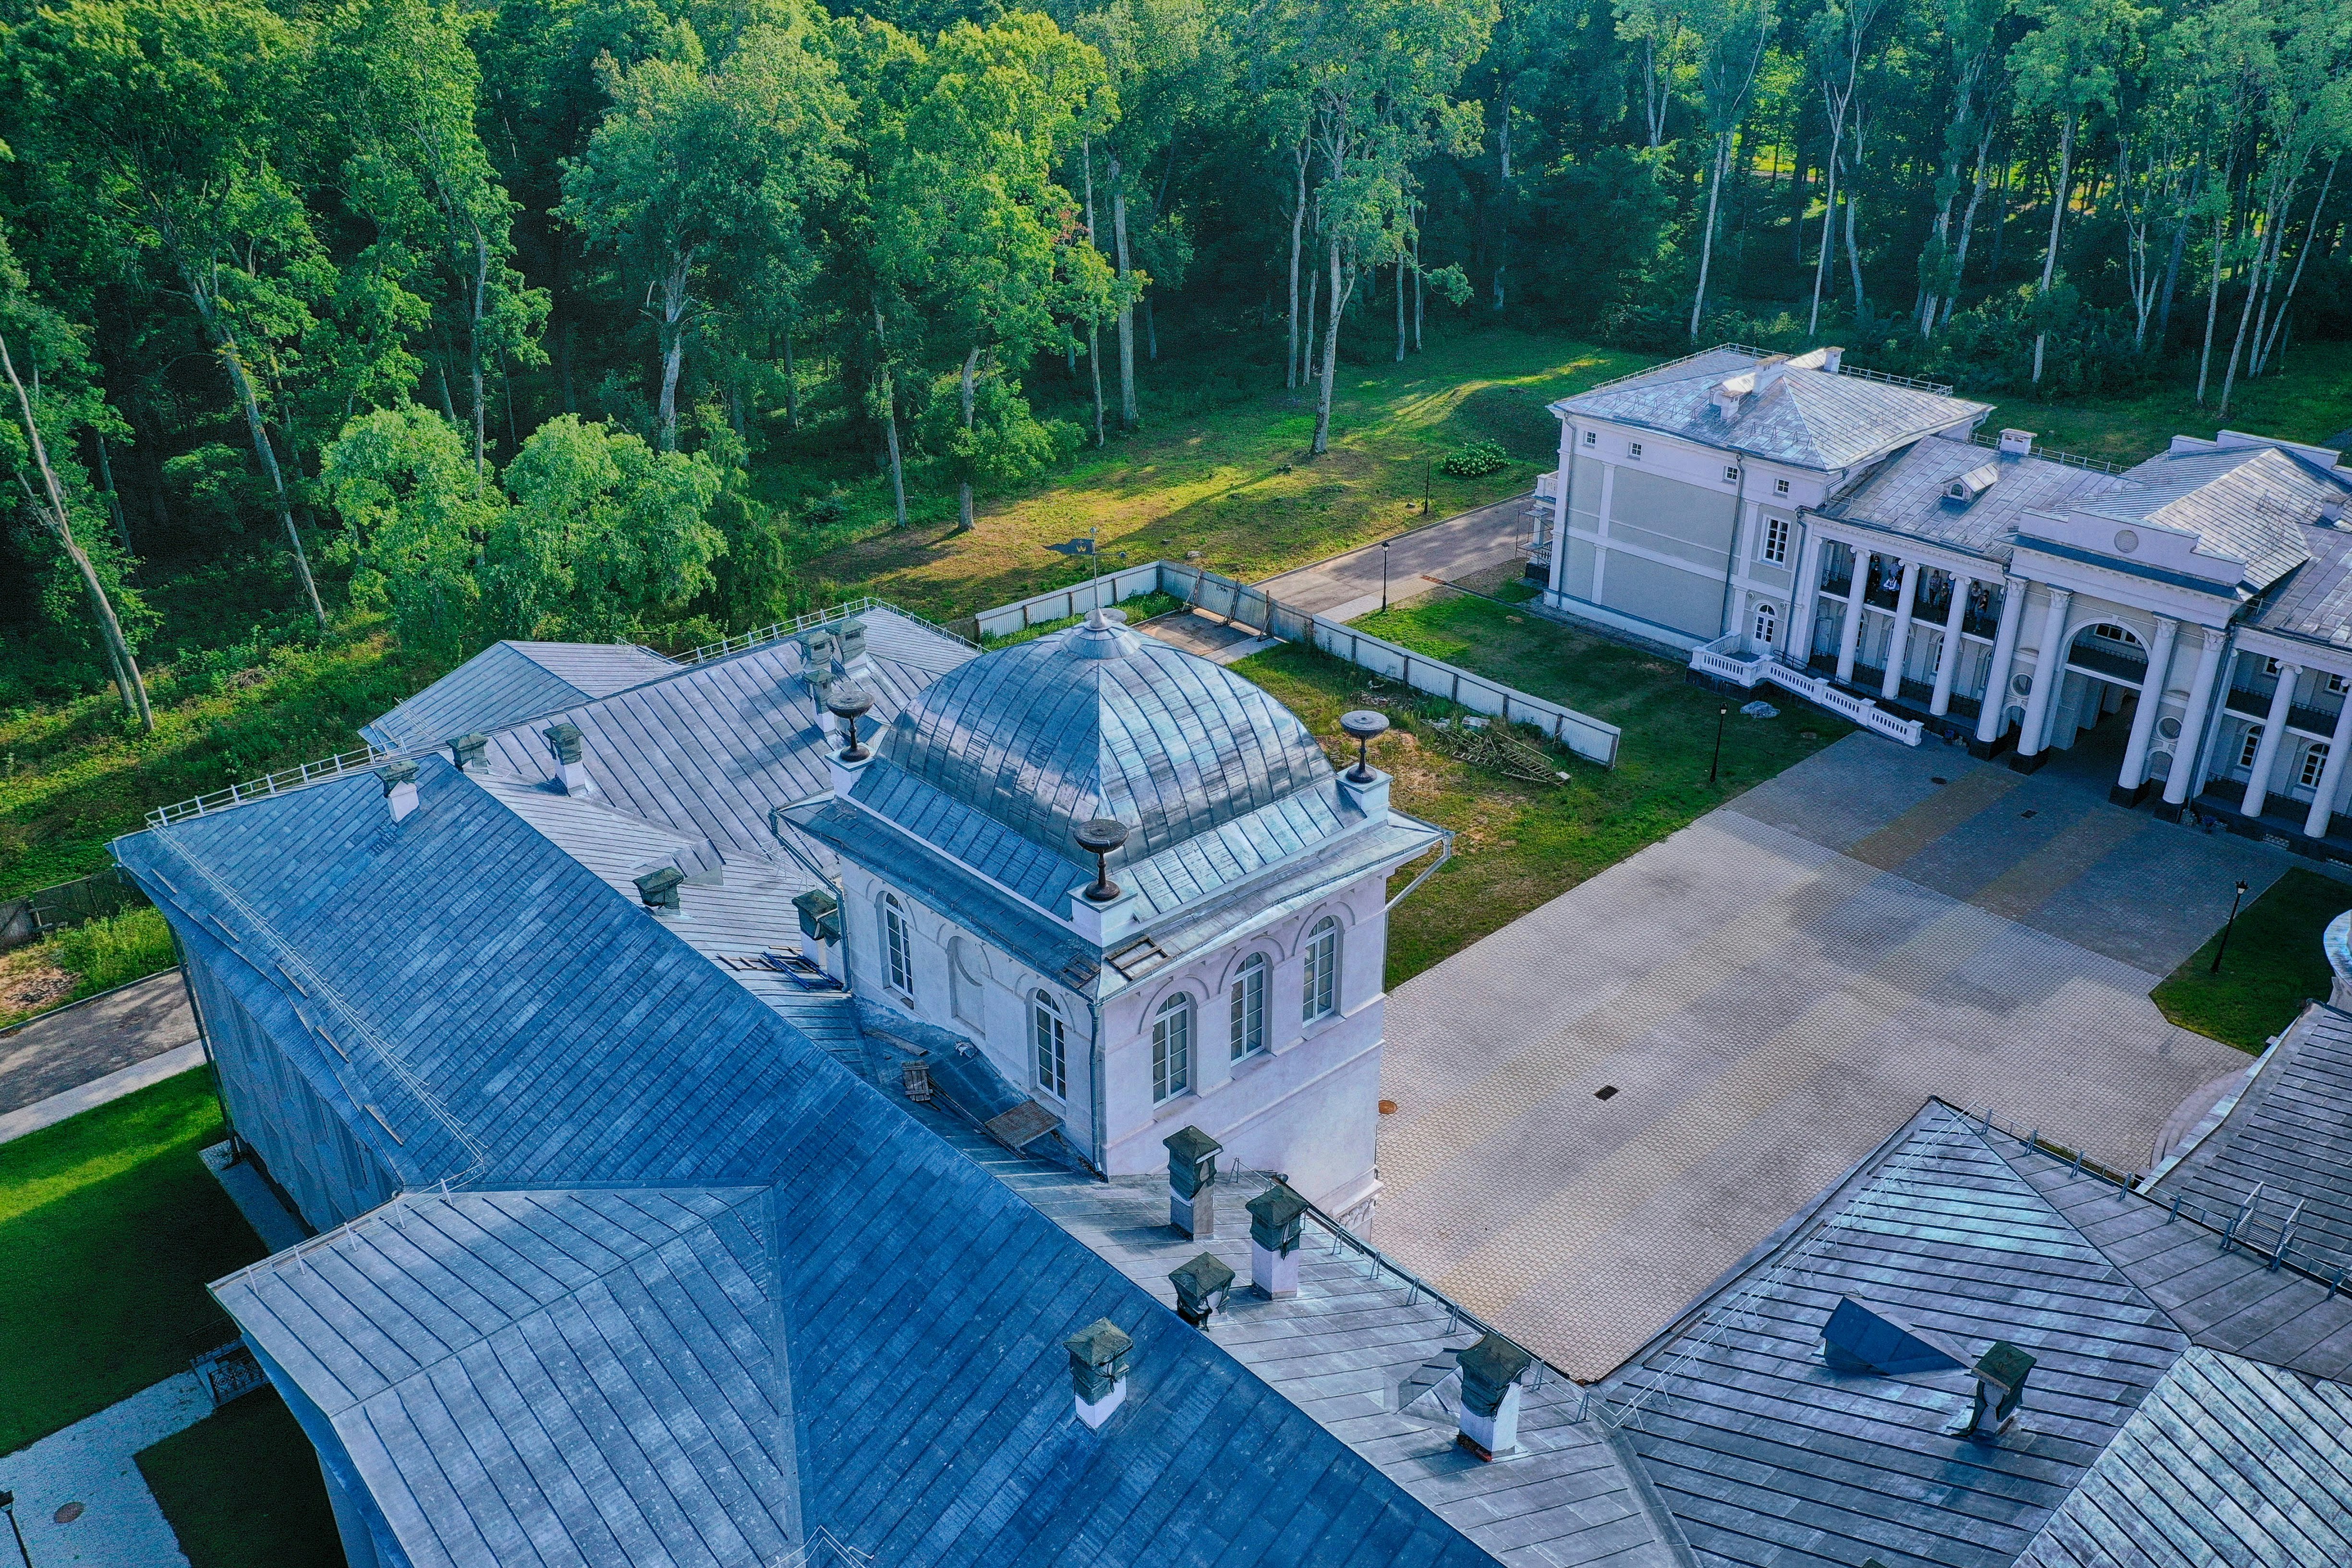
1882	594
2116	666
1977	626
2257	705
1840	585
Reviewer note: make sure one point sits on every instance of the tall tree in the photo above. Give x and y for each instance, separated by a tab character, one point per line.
1734	35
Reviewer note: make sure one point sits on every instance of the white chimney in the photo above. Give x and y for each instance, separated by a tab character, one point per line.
2016	443
571	768
1832	356
1192	1183
1098	1371
400	788
1491	1370
1273	1242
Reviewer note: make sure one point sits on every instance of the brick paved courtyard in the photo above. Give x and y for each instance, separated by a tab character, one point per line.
1770	993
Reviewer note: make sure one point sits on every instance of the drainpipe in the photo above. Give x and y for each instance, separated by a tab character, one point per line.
1731	564
839	884
204	1038
1099	1137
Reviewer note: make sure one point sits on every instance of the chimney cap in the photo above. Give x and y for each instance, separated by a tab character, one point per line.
1202	1282
2004	1365
1493	1365
1101	1345
565	740
467	749
400	771
1277	1207
658	887
1192	1145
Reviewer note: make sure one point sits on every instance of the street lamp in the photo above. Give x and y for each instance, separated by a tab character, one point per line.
2226	925
1721	714
1384	574
1428	471
8	1506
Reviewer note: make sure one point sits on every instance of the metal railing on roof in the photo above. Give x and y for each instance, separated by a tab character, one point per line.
1669	365
743	641
2071	461
1940	388
285	780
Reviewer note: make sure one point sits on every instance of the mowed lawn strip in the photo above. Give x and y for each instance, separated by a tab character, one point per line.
241	1490
2273	966
1519	844
110	1228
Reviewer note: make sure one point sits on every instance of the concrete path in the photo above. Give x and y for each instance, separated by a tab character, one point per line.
1348	586
98	1091
57	1051
93	1463
1768	994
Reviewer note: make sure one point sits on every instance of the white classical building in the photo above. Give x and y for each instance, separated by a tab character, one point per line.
2198	605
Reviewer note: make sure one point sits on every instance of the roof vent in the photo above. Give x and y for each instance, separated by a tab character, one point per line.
1192	1182
1099	1370
2015	443
570	751
852	646
400	788
658	887
470	751
2332	507
2000	1375
1832	357
820	915
1202	1287
1491	1370
1274	1241
1965	488
1862	1338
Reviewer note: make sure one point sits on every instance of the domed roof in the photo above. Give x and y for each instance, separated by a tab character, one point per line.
1100	721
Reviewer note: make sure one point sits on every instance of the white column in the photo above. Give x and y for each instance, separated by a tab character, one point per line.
1849	635
1804	603
2324	798
1898	646
2049	672
1995	702
2258	787
2151	698
1947	659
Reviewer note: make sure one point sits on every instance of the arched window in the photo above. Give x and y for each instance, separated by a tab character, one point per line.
1768	623
2314	763
898	943
1249	1006
2250	747
1053	1041
1319	998
1172	1048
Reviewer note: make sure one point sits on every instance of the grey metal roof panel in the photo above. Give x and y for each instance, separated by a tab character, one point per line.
2250	503
1767	1456
1810	417
2314	601
2227	1461
507	682
1906	493
2290	1134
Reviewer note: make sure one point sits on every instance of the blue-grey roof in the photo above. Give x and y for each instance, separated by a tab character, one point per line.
1768	1457
2227	1462
480	1008
1803	415
509	682
2314	602
1099	721
1906	493
2290	1134
2248	503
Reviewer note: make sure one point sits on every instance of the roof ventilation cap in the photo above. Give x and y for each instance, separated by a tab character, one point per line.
1859	1338
399	787
658	889
1099	1370
2015	443
2000	1374
571	758
1491	1370
470	752
2332	507
1202	1287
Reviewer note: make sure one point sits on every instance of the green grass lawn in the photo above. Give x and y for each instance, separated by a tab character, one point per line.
110	1227
2309	400
2273	967
1520	845
1232	478
97	955
241	1490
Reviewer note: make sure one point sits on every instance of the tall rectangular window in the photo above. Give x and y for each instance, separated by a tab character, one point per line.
1319	997
1171	1049
1053	1045
2314	763
2253	744
1775	541
1249	1008
901	948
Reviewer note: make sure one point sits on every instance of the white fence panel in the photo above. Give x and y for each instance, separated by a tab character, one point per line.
1075	600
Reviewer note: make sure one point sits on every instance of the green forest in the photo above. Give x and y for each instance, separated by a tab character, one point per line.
411	324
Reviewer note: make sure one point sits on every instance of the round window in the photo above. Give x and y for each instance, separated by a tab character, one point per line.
2126	541
2168	727
2022	685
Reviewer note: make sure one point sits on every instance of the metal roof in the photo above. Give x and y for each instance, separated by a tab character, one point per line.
2314	602
2227	1461
510	681
1099	721
1906	494
1805	415
2244	503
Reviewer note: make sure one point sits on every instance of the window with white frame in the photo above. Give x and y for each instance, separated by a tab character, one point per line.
1767	622
1633	450
2314	763
2269	667
1249	1006
2337	685
1052	1035
899	942
1320	996
1172	1048
1730	475
1592	437
1780	487
1775	541
2251	746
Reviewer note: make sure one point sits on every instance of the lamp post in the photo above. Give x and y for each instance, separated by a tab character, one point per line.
2226	926
1721	714
1384	575
1428	471
8	1506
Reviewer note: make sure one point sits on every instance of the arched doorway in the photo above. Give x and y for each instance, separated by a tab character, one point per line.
2106	664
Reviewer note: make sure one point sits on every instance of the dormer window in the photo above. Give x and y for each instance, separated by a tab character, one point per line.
1964	489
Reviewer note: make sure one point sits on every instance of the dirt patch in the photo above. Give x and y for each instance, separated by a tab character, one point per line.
30	983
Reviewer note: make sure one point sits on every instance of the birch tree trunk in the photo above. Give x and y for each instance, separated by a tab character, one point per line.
1968	222
890	420
2265	351
2057	215
113	498
1338	303
477	304
1307	357
1706	245
1127	311
249	401
1828	215
672	323
51	508
1094	359
1294	368
963	490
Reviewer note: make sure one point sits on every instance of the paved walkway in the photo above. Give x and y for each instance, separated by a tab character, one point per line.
93	1462
57	1051
1770	993
1348	586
